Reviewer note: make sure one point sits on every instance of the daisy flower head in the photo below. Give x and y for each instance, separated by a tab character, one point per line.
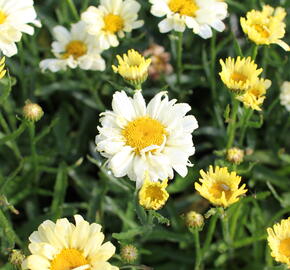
155	138
254	97
15	17
2	67
239	74
265	27
153	195
285	95
63	245
220	186
198	15
74	48
133	67
111	20
279	241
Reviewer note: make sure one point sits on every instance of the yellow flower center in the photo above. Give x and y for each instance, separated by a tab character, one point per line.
238	77
69	259
154	193
113	23
75	48
143	132
183	7
218	188
262	30
284	247
3	17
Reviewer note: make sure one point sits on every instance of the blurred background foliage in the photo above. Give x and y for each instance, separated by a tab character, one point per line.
54	171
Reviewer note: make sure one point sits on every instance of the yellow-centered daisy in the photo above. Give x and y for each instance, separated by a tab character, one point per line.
111	20
155	138
220	186
133	67
279	241
15	17
266	27
63	245
2	66
239	74
153	195
254	97
74	48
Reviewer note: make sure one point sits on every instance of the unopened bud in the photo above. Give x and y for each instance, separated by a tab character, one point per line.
129	253
194	220
16	257
32	111
235	155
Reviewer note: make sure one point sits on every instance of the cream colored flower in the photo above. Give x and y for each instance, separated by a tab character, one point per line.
111	20
73	49
285	95
63	245
15	17
198	15
155	138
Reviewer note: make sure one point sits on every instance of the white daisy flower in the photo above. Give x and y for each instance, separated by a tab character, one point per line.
15	16
63	245
198	15
138	139
285	95
111	19
73	49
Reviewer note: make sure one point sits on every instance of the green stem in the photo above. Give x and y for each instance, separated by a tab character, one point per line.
245	121
232	125
73	9
209	235
31	128
198	253
255	52
226	231
179	58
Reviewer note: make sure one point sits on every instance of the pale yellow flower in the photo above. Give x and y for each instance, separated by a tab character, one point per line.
235	155
153	195
220	187
279	241
255	95
239	74
63	245
133	67
266	26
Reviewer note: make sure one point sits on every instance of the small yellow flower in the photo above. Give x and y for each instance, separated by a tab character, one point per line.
265	27
32	111
255	95
239	74
2	66
153	195
235	155
133	67
220	187
279	241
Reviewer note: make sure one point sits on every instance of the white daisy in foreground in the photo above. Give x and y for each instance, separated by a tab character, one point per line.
155	138
198	15
285	95
73	49
111	19
15	15
63	245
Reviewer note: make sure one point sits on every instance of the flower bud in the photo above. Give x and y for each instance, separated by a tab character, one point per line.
194	220
129	253
32	111
235	155
16	257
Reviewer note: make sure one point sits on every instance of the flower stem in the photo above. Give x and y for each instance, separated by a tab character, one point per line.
232	125
179	57
255	51
31	128
73	9
198	252
246	117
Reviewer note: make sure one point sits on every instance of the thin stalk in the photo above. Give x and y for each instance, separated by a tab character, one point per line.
232	125
73	9
255	52
209	235
226	231
31	128
179	57
245	121
198	252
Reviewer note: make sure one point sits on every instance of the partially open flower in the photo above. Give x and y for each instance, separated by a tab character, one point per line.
133	67
235	155
153	195
194	220
32	112
220	187
129	253
160	61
